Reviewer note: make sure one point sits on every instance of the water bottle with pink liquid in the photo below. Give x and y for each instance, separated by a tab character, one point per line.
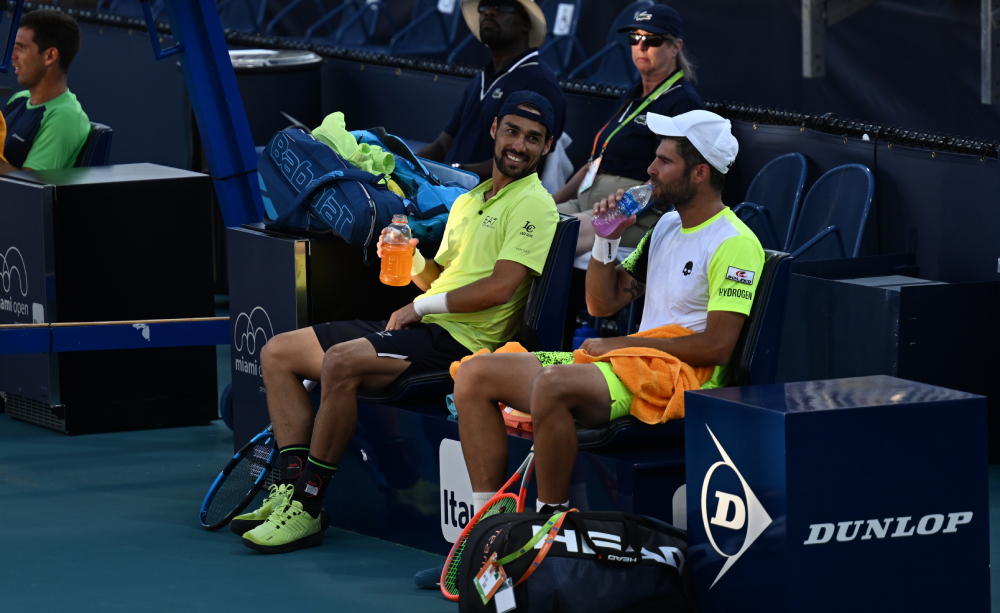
635	201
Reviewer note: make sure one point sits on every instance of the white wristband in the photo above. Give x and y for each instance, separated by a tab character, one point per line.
605	251
438	303
418	263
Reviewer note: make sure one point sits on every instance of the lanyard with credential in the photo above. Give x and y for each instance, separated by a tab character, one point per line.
656	94
521	62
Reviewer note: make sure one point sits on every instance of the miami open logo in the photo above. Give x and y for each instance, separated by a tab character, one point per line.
732	514
13	266
250	333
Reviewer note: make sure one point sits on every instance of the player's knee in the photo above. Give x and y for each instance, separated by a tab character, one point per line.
471	379
549	391
341	365
337	365
273	355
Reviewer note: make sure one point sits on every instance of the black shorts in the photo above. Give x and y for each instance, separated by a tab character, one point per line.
427	347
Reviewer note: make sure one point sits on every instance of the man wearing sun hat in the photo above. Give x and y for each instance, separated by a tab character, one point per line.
513	30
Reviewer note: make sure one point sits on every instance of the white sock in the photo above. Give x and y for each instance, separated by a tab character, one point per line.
539	504
481	498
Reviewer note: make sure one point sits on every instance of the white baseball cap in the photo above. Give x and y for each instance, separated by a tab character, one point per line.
710	134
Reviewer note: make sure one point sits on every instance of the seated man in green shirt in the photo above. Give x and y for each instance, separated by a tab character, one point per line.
46	127
497	237
698	267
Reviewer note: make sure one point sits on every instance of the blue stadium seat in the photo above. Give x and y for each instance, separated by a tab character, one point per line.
562	52
615	65
431	33
832	218
772	202
320	7
97	148
354	23
754	360
127	8
240	15
362	28
541	326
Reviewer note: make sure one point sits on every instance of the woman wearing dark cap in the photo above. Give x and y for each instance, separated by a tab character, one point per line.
624	147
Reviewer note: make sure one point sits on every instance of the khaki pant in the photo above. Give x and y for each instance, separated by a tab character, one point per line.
605	184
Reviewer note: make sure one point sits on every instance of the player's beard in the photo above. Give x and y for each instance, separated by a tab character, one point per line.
501	161
677	193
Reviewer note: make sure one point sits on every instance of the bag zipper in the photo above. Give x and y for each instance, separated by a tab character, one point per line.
371	230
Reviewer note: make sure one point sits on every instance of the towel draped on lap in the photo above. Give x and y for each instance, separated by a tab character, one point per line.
656	379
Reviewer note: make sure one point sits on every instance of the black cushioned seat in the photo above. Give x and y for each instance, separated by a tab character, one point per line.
541	326
97	148
754	361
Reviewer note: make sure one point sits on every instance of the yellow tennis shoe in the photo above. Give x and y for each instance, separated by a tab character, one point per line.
288	528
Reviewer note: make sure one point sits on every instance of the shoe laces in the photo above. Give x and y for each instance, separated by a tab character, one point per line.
278	495
285	511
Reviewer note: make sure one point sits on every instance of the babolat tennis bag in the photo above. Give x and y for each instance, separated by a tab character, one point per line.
599	562
310	187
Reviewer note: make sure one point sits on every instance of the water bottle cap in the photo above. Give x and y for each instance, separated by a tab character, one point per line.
399	219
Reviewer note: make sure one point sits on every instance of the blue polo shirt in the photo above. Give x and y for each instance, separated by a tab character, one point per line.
634	146
486	93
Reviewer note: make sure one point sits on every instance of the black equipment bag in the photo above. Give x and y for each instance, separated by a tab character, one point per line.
599	562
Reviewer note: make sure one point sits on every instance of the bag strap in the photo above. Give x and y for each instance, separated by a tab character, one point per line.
549	532
633	541
549	539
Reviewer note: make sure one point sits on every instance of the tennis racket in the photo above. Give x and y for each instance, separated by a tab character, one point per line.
501	502
239	481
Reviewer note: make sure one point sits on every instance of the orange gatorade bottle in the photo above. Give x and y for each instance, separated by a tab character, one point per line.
397	253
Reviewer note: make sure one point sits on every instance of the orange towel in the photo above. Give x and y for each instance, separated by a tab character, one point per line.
656	379
507	348
512	417
3	135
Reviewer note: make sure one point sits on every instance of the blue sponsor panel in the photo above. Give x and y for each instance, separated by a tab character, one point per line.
861	494
266	298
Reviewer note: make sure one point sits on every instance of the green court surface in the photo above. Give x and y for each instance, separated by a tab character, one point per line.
108	522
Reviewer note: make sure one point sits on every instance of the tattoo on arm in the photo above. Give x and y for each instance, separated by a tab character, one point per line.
635	289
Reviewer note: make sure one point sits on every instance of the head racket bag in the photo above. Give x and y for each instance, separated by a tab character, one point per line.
306	185
598	562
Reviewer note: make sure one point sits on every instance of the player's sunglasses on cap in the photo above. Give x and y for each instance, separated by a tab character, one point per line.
497	6
634	38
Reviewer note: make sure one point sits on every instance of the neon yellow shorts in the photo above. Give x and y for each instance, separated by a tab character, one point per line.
621	397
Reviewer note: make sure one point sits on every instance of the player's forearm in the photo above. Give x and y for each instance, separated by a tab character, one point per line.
483	169
697	349
480	295
432	151
604	293
569	191
427	276
5	167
